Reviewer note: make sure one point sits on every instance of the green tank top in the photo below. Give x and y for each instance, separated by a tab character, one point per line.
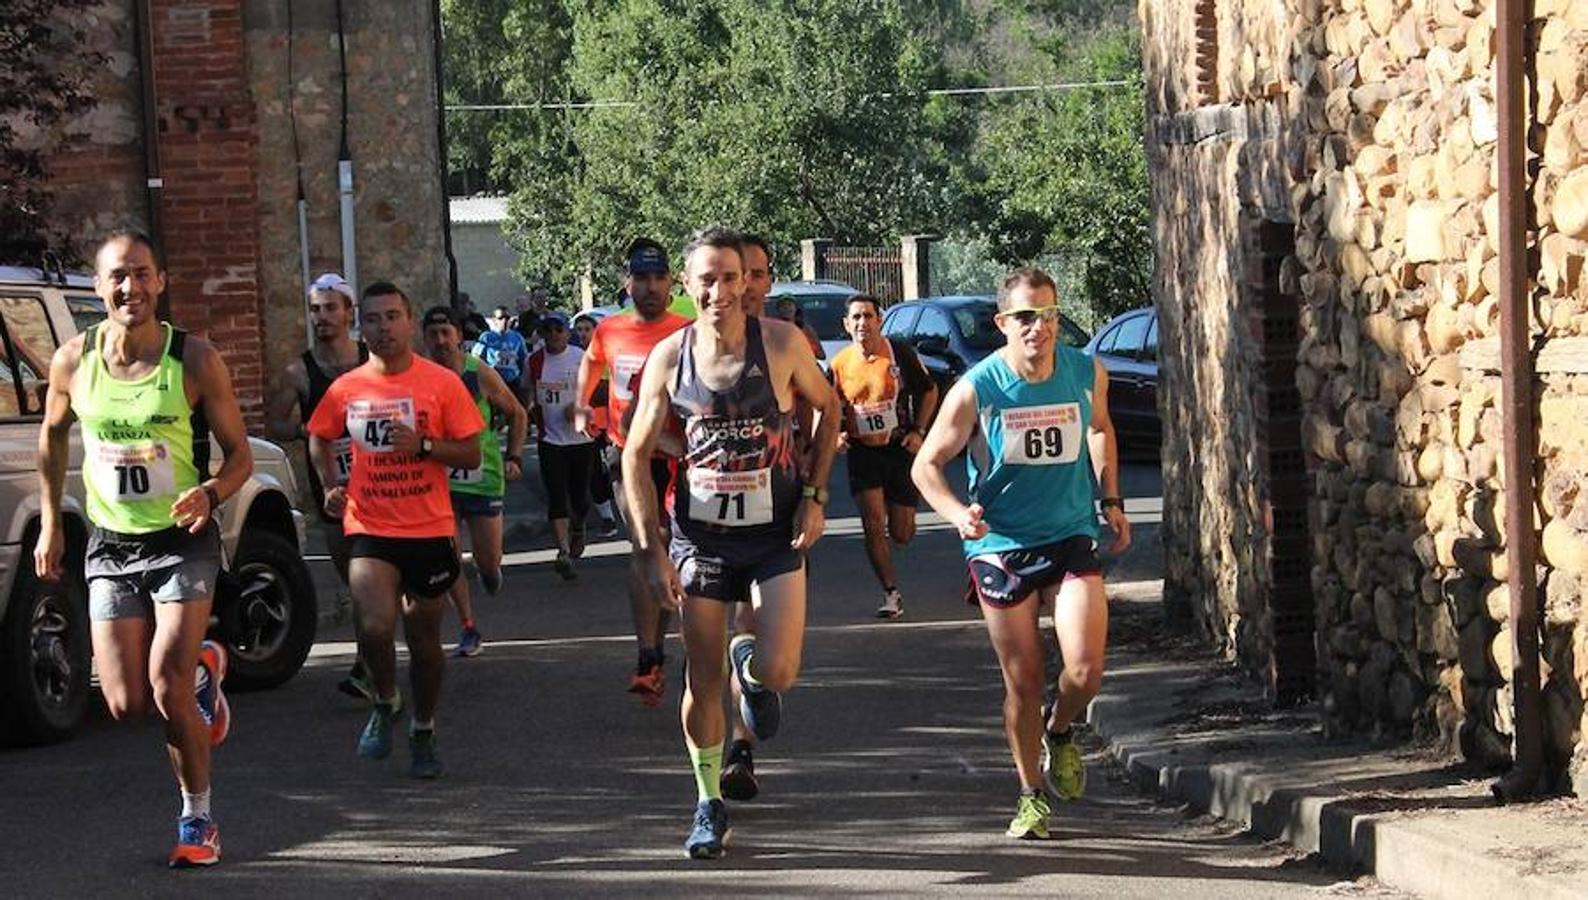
143	445
487	480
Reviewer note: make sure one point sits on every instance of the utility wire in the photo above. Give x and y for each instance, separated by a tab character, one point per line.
936	92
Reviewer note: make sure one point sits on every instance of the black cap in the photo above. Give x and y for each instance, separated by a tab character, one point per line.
442	315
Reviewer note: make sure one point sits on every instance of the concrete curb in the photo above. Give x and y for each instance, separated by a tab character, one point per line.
1419	855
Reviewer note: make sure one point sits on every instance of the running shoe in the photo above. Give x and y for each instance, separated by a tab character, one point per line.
708	838
738	773
576	541
357	684
761	709
422	746
564	567
469	642
1062	764
649	681
1031	818
217	713
198	843
375	741
491	581
892	605
608	528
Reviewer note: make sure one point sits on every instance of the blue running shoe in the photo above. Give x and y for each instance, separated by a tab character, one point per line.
375	741
761	709
709	836
422	745
469	642
198	843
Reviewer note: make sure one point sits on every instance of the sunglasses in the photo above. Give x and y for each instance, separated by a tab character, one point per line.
1028	317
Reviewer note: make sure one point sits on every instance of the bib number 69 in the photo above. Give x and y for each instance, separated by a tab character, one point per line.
1044	443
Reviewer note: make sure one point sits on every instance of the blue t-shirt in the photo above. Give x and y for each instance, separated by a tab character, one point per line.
506	352
1029	465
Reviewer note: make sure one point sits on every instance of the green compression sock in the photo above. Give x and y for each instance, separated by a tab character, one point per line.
707	763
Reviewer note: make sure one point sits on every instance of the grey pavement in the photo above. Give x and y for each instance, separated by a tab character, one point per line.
891	775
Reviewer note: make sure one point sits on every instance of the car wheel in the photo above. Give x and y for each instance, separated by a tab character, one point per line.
45	658
271	624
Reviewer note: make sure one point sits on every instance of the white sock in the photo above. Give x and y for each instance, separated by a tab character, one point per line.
196	804
417	726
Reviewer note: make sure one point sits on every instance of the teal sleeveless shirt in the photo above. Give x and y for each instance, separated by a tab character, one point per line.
1029	465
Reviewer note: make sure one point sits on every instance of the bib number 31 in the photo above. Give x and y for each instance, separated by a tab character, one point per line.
1042	435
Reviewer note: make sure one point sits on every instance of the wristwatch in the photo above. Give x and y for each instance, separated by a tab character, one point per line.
813	492
426	446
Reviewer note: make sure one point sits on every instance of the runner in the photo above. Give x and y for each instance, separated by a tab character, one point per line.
618	349
503	348
888	399
298	391
148	396
567	457
477	492
600	481
741	517
1030	531
411	420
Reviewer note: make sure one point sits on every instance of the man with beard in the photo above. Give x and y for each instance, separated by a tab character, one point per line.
148	396
618	350
477	492
298	391
411	421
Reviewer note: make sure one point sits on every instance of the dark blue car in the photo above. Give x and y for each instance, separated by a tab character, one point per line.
953	333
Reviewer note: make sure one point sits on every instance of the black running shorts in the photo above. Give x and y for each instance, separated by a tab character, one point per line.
1006	579
428	566
887	468
725	568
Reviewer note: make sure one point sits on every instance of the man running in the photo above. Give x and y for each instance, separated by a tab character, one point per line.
742	518
503	348
148	396
888	399
567	457
477	491
601	496
1030	531
298	391
620	346
411	420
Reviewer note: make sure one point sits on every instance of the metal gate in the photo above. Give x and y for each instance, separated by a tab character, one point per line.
878	271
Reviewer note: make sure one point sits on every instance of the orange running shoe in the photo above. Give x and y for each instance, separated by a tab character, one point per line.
212	703
650	683
198	843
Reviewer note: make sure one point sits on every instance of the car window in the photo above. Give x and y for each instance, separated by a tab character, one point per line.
29	344
977	325
825	313
900	321
1149	351
86	310
1105	344
1128	337
933	324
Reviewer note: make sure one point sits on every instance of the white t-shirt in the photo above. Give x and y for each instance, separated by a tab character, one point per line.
555	380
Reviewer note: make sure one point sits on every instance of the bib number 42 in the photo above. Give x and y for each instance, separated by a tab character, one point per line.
377	433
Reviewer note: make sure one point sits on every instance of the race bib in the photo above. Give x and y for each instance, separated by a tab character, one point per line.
553	394
132	472
624	367
1042	435
731	499
465	476
343	447
369	422
873	419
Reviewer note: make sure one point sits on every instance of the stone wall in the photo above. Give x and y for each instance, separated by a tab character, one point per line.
221	71
1391	182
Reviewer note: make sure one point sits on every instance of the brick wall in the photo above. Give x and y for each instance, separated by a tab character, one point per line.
209	209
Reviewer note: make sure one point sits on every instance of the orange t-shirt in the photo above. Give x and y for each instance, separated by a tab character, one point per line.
392	494
876	391
621	344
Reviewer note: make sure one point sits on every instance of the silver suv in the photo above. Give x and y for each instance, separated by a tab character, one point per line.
265	608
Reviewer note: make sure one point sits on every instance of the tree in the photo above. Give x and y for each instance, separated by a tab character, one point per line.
42	83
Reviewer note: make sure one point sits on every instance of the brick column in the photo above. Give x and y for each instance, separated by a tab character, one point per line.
209	208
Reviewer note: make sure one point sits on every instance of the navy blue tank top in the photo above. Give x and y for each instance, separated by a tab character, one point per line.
738	474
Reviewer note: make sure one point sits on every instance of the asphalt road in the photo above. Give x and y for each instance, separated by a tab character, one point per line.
891	775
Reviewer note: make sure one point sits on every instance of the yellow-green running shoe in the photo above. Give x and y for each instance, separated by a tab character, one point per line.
1066	771
1031	818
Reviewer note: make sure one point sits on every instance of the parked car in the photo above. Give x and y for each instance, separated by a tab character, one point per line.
1128	348
823	304
953	333
265	605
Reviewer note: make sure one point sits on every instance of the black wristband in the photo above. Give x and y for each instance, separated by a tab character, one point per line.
1106	502
214	497
516	460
